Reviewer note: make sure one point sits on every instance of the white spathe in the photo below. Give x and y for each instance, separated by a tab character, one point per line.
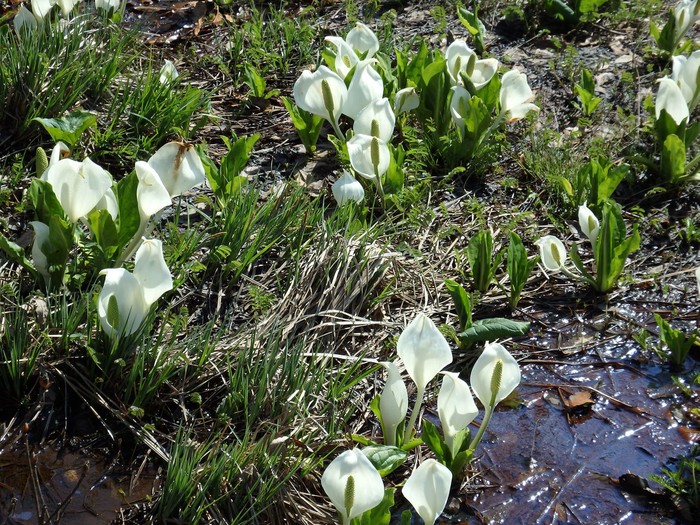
168	72
24	21
427	489
461	59
345	56
347	189
179	167
455	406
670	98
515	96
589	223
78	186
151	194
41	235
121	306
126	297
393	403
552	252
482	376
365	87
406	99
363	40
376	119
369	156
322	93
367	486
459	106
423	350
151	270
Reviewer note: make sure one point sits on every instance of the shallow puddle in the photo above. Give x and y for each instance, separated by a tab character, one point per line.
596	407
66	488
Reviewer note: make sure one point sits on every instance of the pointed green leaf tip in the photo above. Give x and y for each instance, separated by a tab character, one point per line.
327	96
349	494
496	378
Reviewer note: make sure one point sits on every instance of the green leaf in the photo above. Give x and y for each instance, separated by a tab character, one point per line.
385	458
44	200
105	231
379	515
479	253
308	126
362	440
433	440
673	160
493	328
16	254
68	129
406	517
518	267
129	218
462	302
254	81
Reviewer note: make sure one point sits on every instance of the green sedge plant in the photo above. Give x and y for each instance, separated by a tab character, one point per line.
611	247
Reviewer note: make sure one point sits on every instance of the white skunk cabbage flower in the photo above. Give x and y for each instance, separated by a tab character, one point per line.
670	98
353	484
427	489
179	167
495	375
41	235
685	73
406	99
41	9
347	189
376	119
24	21
78	186
126	297
345	56
552	252
322	93
461	59
109	202
168	72
455	406
363	40
459	106
423	350
515	96
151	194
151	270
365	87
107	5
589	223
369	156
393	403
65	5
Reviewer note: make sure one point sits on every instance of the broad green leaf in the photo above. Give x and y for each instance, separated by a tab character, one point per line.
129	218
385	458
44	201
68	129
518	267
673	160
433	440
105	231
379	515
493	328
16	254
462	302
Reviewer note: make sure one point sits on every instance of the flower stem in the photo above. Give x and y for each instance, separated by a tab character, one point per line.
482	428
410	429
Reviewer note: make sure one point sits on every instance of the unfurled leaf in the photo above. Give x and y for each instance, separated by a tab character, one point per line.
492	329
68	129
385	458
